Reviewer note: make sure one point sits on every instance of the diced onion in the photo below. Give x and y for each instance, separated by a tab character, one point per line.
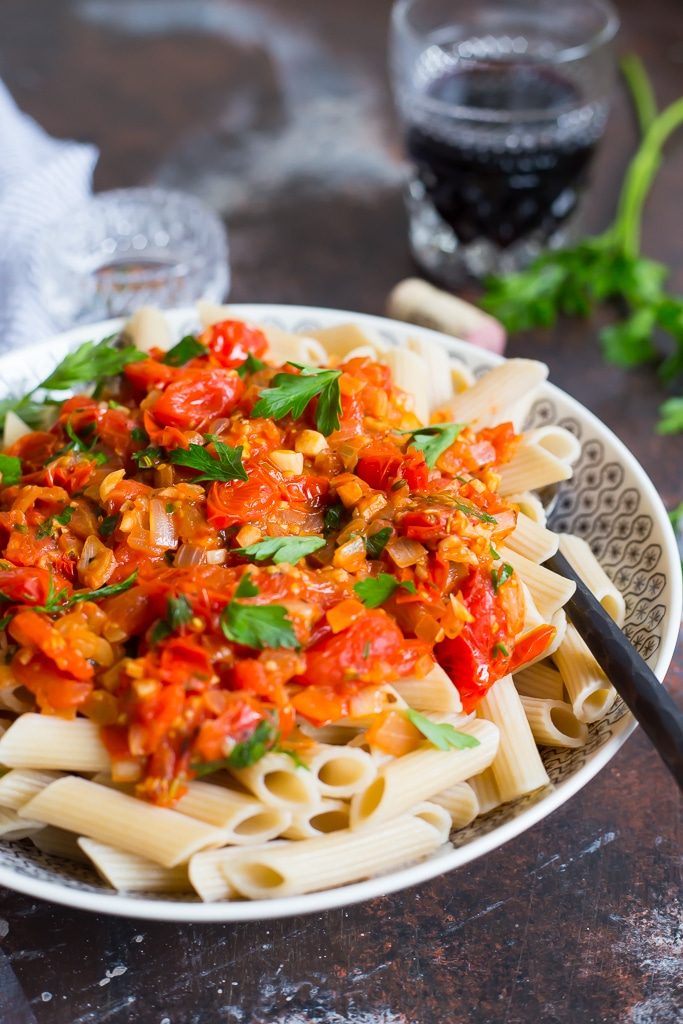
189	555
404	551
217	557
161	525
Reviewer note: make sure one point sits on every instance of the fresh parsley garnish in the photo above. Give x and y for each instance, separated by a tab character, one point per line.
60	601
30	412
147	458
108	525
281	549
375	590
257	626
178	613
500	575
245	753
186	349
494	554
500	649
472	510
46	528
443	736
433	441
91	362
139	434
250	365
10	470
332	520
610	267
376	543
226	465
291	393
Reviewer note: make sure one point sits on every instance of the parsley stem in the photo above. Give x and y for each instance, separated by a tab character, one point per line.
642	93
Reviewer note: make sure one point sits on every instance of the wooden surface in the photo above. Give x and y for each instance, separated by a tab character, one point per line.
278	114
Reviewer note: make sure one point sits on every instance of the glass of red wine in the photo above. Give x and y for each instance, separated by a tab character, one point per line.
502	103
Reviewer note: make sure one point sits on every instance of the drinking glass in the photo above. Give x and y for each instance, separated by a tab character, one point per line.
502	103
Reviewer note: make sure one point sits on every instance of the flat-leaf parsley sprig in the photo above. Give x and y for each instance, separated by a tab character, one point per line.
291	393
610	266
258	626
226	465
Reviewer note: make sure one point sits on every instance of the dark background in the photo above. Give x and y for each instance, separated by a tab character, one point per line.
278	114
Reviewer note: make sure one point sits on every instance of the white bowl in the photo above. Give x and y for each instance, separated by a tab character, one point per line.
610	502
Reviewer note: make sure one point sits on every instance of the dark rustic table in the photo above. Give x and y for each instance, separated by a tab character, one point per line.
278	114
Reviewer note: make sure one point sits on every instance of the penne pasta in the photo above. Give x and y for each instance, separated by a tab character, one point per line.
329	816
206	875
405	781
502	391
531	468
339	771
531	540
342	339
277	782
553	723
590	692
97	812
19	786
461	802
540	680
485	789
148	329
561	443
438	365
433	692
13	827
410	374
56	744
581	558
240	817
529	505
549	590
336	859
57	842
128	872
517	766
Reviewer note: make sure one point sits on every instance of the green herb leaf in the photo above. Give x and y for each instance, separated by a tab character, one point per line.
332	520
472	510
46	528
676	515
282	549
4	622
108	525
494	554
250	365
258	626
433	441
500	575
246	588
110	591
147	458
243	754
442	736
178	613
226	465
290	394
376	543
186	349
32	413
91	362
10	470
671	420
138	434
375	590
500	649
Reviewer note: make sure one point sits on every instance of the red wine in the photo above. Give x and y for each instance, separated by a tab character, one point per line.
498	183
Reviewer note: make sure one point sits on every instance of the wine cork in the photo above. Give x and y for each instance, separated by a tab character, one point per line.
418	302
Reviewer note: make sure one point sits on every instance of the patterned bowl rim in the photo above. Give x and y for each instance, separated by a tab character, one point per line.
446	859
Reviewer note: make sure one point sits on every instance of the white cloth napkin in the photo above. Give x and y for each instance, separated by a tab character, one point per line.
40	179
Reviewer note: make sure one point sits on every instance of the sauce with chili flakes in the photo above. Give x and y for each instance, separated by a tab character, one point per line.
130	579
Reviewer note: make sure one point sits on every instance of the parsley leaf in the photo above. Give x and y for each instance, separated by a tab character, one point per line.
59	602
442	736
250	365
375	590
178	613
186	349
32	413
10	470
671	421
257	626
676	515
376	543
147	458
227	465
245	753
433	441
282	549
500	575
108	525
333	517
291	393
64	518
91	362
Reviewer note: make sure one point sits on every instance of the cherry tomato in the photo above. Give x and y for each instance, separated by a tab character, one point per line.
148	373
33	630
379	465
469	658
34	449
199	397
231	341
241	501
54	690
236	723
531	646
305	493
29	586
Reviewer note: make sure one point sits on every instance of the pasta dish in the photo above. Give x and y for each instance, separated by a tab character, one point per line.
273	613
